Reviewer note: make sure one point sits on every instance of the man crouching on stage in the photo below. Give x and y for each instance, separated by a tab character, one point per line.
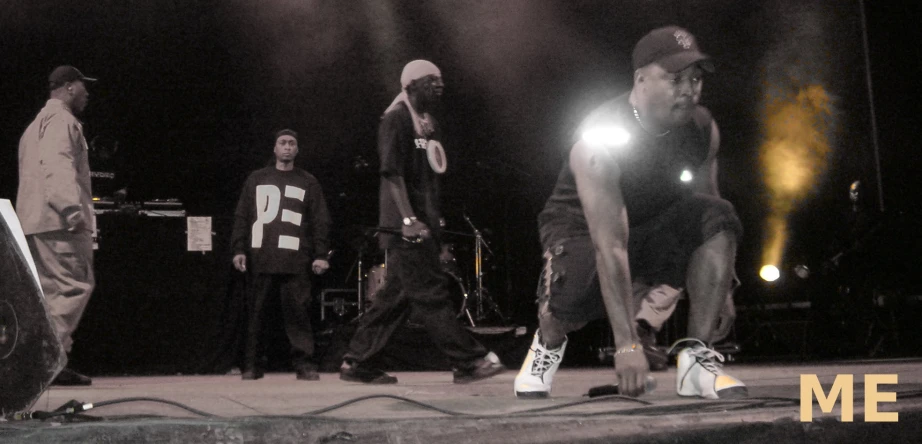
645	164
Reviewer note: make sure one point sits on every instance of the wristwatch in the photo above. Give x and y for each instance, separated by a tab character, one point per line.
409	220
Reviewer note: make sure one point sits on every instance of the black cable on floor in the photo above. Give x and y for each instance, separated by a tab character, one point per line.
74	408
454	413
715	406
399	398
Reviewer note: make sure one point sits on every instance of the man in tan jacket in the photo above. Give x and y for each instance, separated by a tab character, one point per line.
54	204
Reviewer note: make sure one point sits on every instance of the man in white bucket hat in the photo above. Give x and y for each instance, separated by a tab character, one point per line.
412	158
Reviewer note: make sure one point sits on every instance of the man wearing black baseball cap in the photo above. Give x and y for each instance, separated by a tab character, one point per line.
634	220
54	205
65	74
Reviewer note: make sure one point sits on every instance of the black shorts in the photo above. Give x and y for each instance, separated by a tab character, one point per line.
658	253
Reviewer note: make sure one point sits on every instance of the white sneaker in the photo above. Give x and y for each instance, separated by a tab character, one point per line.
700	374
537	373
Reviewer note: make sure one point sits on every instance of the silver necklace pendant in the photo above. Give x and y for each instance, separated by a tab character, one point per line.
637	116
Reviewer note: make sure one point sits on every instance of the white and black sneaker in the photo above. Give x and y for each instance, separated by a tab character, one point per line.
537	373
700	373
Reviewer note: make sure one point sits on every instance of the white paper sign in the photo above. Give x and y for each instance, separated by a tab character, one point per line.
198	233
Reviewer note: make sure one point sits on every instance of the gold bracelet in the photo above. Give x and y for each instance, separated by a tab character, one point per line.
629	349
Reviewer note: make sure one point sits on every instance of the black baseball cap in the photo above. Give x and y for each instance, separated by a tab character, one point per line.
671	47
64	74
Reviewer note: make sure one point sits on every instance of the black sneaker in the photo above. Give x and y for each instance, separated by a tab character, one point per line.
70	377
307	374
354	372
482	368
251	374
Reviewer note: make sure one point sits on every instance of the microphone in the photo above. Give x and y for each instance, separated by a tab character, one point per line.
649	385
22	416
394	231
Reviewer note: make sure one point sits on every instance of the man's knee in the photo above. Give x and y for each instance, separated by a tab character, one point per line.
722	243
553	329
720	218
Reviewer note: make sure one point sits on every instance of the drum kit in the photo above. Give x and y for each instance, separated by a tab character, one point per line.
474	307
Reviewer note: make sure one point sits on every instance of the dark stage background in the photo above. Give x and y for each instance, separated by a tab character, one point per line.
193	90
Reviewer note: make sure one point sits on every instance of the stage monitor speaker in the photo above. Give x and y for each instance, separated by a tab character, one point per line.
30	353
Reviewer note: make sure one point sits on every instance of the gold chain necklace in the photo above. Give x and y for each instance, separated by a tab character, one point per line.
637	116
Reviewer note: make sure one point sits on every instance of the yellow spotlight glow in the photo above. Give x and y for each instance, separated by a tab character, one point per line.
607	136
770	273
793	156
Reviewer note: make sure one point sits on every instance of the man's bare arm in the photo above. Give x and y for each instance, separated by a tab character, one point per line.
398	190
706	178
597	183
596	176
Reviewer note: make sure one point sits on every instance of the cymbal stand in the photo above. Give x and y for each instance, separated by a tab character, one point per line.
358	267
360	291
479	245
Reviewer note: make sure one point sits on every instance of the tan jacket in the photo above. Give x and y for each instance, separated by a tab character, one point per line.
54	172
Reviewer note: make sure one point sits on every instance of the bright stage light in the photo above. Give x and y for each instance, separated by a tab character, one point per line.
607	136
794	155
769	273
686	176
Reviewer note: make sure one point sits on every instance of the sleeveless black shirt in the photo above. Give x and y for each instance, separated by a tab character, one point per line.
651	170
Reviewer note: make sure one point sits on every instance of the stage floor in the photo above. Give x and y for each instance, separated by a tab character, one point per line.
279	408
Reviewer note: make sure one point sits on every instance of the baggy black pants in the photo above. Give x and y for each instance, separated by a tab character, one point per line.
294	292
414	282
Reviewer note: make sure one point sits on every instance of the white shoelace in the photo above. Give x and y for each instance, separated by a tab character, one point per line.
543	361
704	355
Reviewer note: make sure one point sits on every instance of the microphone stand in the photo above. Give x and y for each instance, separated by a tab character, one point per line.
361	248
360	291
479	245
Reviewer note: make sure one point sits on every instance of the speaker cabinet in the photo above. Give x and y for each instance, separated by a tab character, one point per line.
30	353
